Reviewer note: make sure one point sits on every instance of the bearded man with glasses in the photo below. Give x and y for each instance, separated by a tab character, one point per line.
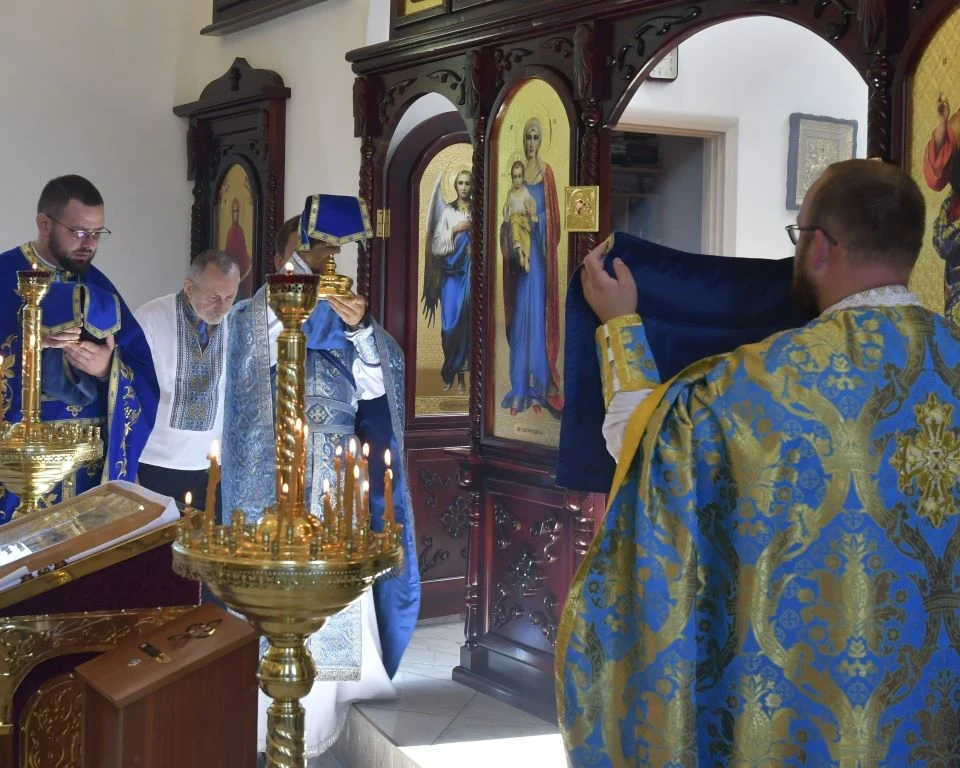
96	366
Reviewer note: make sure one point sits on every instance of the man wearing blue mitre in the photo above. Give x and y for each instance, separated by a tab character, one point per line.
354	388
96	367
775	579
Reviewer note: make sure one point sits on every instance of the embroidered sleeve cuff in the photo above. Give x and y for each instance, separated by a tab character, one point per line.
365	343
626	361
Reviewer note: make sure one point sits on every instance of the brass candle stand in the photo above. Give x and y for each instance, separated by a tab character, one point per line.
293	569
35	455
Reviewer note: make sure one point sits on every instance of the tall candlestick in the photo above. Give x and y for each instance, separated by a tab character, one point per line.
349	487
338	491
365	506
327	508
364	465
388	515
356	509
213	480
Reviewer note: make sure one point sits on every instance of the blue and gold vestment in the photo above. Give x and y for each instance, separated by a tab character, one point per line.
776	580
124	405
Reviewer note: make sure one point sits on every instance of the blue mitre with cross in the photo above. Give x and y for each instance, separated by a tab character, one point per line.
334	219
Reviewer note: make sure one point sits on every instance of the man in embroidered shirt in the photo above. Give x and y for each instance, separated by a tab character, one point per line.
187	335
95	364
774	580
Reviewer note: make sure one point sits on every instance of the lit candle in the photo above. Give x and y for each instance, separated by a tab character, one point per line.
213	480
349	486
327	508
187	501
388	515
364	465
365	525
356	510
338	489
288	267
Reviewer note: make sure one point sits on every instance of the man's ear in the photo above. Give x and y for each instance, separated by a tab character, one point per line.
187	287
44	224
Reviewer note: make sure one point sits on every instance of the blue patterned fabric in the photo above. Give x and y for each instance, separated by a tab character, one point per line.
125	405
692	305
775	582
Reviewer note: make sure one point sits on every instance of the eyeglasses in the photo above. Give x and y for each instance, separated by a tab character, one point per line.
97	235
794	230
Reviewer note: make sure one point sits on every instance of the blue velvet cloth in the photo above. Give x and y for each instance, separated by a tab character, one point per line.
692	306
125	404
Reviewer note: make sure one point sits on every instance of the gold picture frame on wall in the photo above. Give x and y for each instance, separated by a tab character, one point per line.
933	103
815	143
531	154
410	7
582	209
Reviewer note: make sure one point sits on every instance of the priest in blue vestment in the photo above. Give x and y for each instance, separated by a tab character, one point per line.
354	390
96	366
775	580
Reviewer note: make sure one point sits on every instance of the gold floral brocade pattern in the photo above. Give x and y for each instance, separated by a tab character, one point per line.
776	580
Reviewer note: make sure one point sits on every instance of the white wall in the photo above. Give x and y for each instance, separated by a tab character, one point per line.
88	88
307	49
745	77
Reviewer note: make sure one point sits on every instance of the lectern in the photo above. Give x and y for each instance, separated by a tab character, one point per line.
184	695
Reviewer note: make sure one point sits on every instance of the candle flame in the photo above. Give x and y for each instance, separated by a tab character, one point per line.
356	472
366	450
187	498
214	450
390	473
386	457
366	487
326	486
286	489
288	267
339	452
353	445
305	430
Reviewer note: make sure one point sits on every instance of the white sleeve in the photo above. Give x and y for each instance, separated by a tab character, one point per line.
618	414
443	235
367	375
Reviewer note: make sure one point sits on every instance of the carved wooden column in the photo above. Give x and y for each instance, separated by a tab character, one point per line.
584	63
363	128
879	76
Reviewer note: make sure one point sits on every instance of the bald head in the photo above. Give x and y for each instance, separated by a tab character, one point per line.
873	209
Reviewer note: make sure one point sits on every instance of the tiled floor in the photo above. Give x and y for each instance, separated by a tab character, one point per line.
436	722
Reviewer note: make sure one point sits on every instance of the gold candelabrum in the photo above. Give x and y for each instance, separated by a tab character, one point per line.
35	455
296	567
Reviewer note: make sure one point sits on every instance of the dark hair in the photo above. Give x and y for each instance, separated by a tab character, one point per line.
515	164
58	193
224	260
874	209
290	226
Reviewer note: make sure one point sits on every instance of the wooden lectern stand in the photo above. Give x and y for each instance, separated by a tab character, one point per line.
184	695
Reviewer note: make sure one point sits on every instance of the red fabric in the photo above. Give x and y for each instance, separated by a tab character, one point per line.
553	293
937	165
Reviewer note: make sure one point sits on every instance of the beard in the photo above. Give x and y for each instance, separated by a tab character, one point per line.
802	292
67	261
